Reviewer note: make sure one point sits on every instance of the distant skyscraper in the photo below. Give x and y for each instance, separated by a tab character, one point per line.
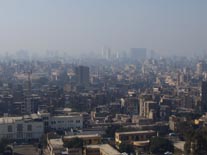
27	103
82	75
138	53
106	53
199	68
204	96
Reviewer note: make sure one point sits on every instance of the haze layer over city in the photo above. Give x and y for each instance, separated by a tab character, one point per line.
103	77
167	27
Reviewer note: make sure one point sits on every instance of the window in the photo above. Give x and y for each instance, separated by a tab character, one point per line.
46	124
90	141
9	128
45	118
19	128
53	122
29	127
9	136
29	135
123	138
77	121
137	138
19	135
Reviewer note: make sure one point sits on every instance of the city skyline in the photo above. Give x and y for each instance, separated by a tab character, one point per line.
168	27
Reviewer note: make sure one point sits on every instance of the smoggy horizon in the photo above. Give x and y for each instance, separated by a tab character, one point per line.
167	27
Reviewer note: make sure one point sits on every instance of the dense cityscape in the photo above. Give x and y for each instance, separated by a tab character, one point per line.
103	77
139	103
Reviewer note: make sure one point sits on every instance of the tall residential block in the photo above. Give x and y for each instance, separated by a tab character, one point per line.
82	75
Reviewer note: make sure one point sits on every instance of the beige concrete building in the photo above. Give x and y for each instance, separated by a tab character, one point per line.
87	139
102	149
137	138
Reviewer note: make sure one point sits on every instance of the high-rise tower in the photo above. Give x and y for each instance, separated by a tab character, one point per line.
82	75
27	101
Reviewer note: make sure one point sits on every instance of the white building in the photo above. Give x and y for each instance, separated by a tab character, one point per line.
21	128
66	122
33	126
62	122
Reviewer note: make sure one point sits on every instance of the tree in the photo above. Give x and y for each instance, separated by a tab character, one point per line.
110	131
160	145
196	142
182	127
74	143
3	143
200	141
187	147
43	140
128	148
188	135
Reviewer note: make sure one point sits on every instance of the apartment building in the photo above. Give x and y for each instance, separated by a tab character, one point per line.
62	122
102	149
137	138
33	126
87	139
27	127
66	122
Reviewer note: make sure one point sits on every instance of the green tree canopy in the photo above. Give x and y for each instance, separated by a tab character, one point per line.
160	145
3	143
196	142
110	131
74	143
128	148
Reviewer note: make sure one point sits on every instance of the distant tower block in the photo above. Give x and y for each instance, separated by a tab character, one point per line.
82	75
199	68
106	53
28	105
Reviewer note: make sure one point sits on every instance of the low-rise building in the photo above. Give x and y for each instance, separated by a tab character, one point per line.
137	138
62	122
102	149
33	126
27	127
55	146
139	120
175	121
87	139
66	122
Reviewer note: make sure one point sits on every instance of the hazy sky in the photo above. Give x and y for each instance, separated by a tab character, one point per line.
88	25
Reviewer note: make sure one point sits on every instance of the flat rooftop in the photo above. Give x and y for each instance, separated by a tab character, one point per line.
8	119
25	150
106	148
136	132
66	116
56	143
82	136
